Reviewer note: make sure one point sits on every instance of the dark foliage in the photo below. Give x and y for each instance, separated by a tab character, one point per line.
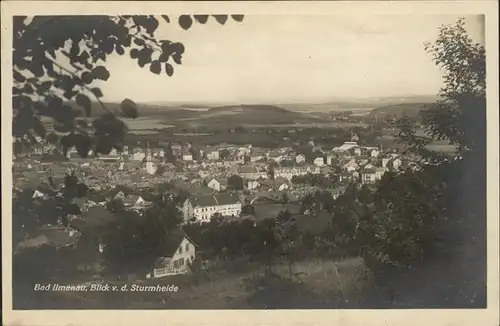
44	86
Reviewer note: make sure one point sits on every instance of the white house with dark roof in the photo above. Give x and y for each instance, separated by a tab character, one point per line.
218	184
178	254
203	207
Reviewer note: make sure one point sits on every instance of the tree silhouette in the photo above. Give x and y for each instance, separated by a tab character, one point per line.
415	210
235	182
58	59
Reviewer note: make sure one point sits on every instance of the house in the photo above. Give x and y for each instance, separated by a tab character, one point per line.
38	149
319	161
135	202
348	145
300	158
374	153
275	156
176	149
212	154
368	176
251	172
187	157
290	172
396	163
281	184
218	184
380	171
116	195
357	151
178	253
203	207
385	161
38	194
252	184
351	166
138	155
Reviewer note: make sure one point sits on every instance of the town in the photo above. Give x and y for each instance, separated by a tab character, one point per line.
233	182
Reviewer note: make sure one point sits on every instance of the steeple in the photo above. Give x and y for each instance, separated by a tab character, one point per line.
148	153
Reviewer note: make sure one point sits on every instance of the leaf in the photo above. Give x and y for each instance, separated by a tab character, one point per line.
202	19
185	21
83	101
163	57
18	77
45	86
134	53
177	48
177	58
87	78
169	69
129	108
139	41
238	18
155	67
119	50
165	18
97	92
221	19
101	73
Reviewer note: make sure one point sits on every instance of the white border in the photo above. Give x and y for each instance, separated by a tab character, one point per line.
487	317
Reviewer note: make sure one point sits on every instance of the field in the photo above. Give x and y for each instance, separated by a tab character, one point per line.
315	284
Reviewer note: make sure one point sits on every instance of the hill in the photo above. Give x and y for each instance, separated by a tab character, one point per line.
144	109
257	108
397	110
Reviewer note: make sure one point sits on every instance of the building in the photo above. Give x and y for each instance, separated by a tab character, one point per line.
251	172
380	171
218	184
151	168
300	159
135	202
212	154
186	156
348	145
372	175
138	155
203	207
252	184
290	172
319	161
396	163
329	160
176	149
281	184
179	253
275	156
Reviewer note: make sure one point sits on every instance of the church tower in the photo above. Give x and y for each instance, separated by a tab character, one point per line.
150	166
121	164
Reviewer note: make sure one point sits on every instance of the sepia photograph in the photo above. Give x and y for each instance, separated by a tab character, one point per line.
249	161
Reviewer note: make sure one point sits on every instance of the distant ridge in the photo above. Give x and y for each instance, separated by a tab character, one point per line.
397	110
250	107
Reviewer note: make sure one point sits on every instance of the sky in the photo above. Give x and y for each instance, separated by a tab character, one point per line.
285	59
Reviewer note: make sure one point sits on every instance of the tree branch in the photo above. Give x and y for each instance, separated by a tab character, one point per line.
82	86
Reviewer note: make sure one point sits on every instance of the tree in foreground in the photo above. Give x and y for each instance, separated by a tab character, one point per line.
57	61
413	211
